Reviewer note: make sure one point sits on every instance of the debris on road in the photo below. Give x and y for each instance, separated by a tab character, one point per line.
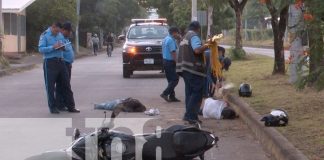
152	112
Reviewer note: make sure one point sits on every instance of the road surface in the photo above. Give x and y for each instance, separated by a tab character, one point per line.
260	51
28	128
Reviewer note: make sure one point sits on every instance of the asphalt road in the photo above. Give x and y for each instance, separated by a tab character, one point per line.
260	51
27	127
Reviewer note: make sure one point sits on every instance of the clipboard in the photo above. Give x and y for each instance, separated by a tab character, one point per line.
63	45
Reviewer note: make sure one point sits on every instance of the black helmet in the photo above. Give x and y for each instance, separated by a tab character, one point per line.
277	118
245	90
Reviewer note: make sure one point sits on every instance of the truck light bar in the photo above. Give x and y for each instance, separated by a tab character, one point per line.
160	20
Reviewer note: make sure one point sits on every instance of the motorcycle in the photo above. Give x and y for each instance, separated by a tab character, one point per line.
177	142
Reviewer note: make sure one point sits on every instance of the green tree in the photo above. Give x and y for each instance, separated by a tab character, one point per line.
163	6
278	10
178	12
108	15
223	18
238	7
42	13
255	14
181	11
315	28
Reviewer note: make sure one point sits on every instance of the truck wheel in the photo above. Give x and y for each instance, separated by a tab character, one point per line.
126	72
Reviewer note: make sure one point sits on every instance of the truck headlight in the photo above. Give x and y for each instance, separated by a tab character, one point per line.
130	49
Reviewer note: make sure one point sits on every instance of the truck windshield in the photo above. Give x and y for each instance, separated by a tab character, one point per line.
148	32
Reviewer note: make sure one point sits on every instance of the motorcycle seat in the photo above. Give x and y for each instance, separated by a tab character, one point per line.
184	141
165	142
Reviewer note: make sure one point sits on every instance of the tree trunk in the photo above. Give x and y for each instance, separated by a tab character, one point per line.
238	7
238	41
279	29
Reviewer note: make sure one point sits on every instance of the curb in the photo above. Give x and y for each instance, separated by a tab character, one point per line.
251	46
272	141
26	67
16	69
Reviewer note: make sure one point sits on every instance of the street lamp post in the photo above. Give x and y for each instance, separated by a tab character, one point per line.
77	48
1	29
194	10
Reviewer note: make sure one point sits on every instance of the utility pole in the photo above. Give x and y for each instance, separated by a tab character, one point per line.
194	10
1	30
77	49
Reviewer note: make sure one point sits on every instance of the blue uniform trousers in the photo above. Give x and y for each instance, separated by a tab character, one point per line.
172	77
55	72
61	102
194	89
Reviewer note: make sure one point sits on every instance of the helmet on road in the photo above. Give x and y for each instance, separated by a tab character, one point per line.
245	90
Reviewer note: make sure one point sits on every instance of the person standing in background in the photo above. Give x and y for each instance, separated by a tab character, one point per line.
95	44
169	51
68	56
51	45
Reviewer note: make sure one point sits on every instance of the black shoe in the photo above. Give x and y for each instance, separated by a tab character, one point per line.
165	97
73	110
174	99
55	111
191	121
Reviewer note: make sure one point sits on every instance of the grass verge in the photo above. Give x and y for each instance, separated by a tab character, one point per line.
305	108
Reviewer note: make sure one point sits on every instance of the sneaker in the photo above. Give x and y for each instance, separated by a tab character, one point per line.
165	97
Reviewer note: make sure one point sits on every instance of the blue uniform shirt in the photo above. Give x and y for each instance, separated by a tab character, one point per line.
169	45
195	42
46	42
68	53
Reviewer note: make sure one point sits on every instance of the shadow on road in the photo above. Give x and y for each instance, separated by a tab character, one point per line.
148	75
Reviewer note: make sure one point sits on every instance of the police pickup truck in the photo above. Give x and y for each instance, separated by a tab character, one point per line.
142	50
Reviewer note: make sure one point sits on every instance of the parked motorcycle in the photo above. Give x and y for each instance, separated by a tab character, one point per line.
178	142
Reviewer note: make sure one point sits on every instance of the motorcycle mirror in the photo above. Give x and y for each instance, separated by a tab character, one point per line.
76	134
107	125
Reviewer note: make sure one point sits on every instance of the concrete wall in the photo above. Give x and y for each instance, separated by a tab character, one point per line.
10	44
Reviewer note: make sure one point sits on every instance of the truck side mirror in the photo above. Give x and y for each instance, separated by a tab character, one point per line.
122	37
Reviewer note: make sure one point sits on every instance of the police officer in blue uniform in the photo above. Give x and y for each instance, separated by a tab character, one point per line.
51	45
68	56
169	51
191	52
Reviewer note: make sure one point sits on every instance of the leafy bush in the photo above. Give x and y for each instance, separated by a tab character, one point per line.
237	54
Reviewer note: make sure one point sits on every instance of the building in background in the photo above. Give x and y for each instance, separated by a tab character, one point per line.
14	25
